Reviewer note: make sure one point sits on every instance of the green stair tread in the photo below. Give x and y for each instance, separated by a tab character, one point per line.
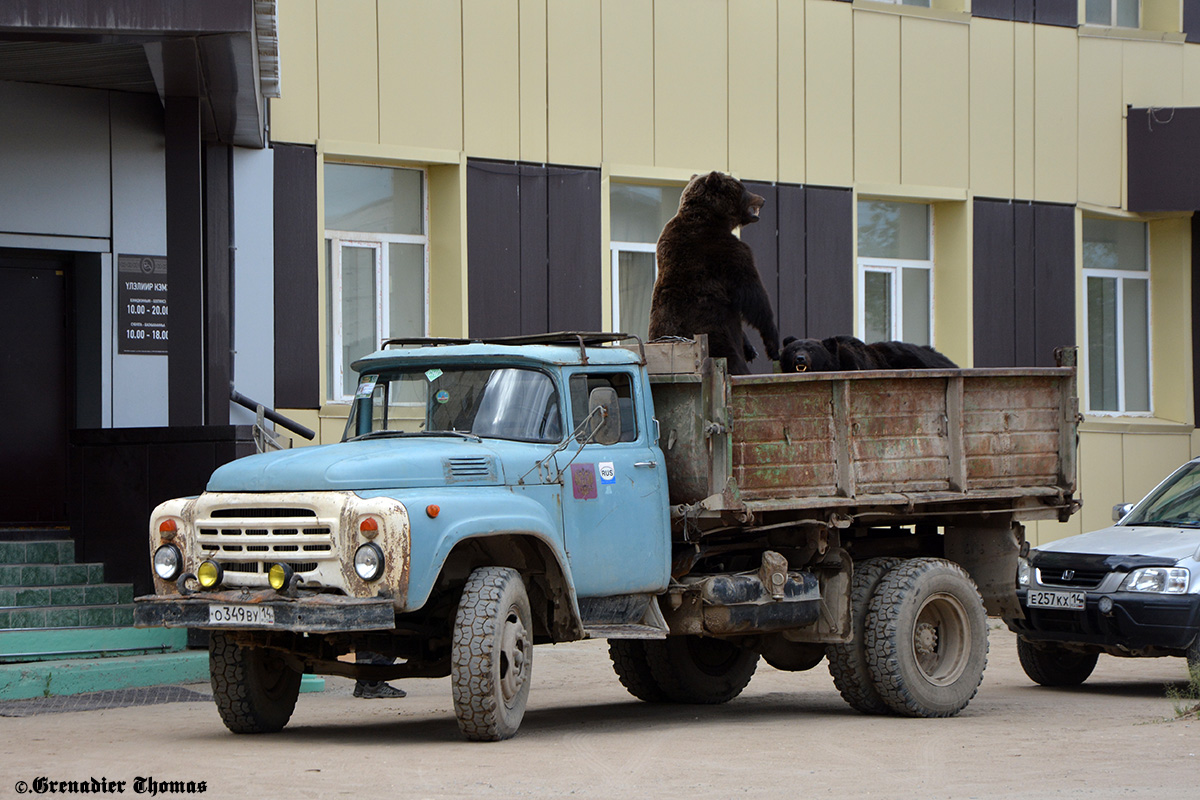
51	551
86	615
81	642
78	594
78	676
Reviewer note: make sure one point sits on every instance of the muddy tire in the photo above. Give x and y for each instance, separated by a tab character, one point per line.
788	656
848	662
1051	664
700	670
255	691
926	638
491	657
632	666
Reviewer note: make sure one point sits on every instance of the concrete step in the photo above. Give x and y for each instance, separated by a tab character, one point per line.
58	643
78	676
55	551
31	575
94	594
95	616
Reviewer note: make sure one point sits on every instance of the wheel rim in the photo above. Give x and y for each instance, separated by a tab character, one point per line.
514	655
940	640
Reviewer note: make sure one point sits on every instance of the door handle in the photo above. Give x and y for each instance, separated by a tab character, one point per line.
650	464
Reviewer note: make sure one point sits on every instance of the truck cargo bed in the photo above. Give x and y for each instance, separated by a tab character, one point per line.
896	442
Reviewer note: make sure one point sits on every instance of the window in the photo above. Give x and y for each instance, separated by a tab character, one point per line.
1116	269
895	267
638	214
1113	13
582	386
376	260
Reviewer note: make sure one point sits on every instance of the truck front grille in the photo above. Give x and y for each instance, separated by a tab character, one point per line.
250	540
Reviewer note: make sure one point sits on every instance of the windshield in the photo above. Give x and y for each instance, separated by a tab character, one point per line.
505	403
1176	503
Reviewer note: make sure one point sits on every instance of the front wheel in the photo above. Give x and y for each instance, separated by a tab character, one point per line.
926	638
699	669
1052	664
491	657
254	689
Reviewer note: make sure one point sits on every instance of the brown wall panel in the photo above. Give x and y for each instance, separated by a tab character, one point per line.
297	305
993	299
1164	158
575	257
535	249
1054	267
829	258
494	236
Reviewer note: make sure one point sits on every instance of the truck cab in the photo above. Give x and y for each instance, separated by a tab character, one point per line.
537	463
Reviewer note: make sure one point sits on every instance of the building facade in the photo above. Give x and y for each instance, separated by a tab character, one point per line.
998	178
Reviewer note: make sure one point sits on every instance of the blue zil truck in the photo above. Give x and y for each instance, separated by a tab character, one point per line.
490	495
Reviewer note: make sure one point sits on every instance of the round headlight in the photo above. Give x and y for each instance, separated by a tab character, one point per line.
368	562
209	574
168	562
279	576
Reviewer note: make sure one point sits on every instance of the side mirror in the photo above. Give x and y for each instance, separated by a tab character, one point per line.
605	427
1120	510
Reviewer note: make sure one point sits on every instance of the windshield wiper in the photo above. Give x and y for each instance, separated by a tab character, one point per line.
388	434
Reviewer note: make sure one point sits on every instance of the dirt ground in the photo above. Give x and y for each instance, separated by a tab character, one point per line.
583	736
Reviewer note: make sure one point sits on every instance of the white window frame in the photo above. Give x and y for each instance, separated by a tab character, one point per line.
1121	276
615	249
378	242
1112	17
894	268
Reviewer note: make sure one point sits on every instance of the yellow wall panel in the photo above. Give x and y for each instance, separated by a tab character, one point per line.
294	113
1148	459
934	103
953	309
573	81
534	61
1191	76
1101	122
691	85
1101	478
1023	111
447	246
1171	308
791	93
491	79
992	75
1162	15
627	41
1153	74
420	74
348	72
829	93
1056	114
876	98
753	72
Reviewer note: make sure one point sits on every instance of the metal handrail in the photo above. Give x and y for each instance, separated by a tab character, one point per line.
272	414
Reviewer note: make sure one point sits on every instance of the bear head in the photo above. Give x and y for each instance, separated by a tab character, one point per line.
806	355
723	196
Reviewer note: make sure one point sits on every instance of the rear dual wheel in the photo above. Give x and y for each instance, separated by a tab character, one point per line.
696	670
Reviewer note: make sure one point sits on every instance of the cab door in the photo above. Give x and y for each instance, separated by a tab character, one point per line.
615	511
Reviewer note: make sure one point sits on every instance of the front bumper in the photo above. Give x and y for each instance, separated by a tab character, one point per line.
325	613
1137	621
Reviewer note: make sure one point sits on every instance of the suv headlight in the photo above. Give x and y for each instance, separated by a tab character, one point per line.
1159	580
1022	572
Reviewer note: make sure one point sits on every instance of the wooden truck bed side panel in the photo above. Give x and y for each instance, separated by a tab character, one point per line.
854	438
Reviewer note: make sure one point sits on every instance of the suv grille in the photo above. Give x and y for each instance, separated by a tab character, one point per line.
1074	578
250	540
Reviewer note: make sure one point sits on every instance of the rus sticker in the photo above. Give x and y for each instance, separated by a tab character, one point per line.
608	473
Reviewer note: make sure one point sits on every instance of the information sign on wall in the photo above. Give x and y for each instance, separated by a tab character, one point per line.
142	318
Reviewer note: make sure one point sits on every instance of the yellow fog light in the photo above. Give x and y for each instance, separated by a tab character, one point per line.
280	576
209	574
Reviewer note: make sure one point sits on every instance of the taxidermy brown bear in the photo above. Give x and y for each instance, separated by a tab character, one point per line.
849	353
707	282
